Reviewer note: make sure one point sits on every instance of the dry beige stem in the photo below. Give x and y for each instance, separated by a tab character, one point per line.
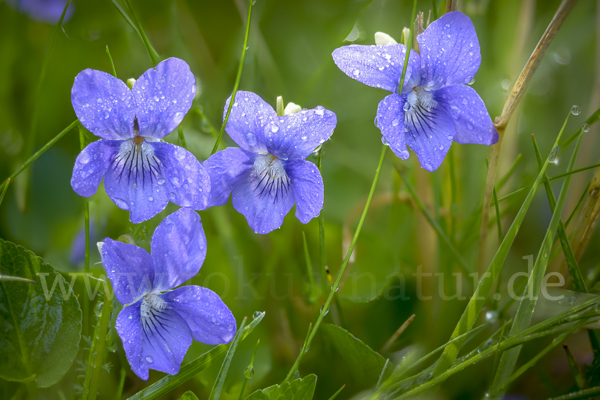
588	219
509	107
451	5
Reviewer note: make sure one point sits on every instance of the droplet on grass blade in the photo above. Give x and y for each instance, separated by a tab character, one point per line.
555	155
585	127
576	110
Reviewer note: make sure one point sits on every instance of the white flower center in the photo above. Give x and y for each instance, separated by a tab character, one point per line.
271	176
151	305
420	98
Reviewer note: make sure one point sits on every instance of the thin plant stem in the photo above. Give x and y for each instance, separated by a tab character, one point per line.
4	190
151	52
237	80
249	371
182	138
510	106
322	248
40	152
86	216
325	308
336	284
35	114
112	64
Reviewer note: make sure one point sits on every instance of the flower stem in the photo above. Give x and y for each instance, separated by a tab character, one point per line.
336	284
4	190
237	80
86	216
112	64
40	152
510	105
151	52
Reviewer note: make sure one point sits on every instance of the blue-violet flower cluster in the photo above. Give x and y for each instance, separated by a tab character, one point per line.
268	174
435	107
141	172
157	323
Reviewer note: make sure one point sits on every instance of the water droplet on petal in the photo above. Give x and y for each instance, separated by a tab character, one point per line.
161	181
396	122
251	139
469	80
274	128
406	106
84	157
122	204
178	117
356	72
149	359
150	198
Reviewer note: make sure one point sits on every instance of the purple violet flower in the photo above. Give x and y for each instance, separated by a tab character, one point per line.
269	173
157	328
48	11
141	172
435	107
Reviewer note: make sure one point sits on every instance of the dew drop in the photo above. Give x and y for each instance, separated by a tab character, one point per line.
575	110
149	359
585	127
554	155
84	158
256	314
465	101
356	72
122	204
274	128
150	198
161	181
178	117
469	80
406	106
396	122
319	111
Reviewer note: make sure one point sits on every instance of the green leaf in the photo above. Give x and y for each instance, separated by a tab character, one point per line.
188	396
40	329
298	389
364	363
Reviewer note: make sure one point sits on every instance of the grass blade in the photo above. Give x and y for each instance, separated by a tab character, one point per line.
580	395
590	121
477	301
40	152
434	224
237	80
188	371
576	277
220	381
151	52
527	306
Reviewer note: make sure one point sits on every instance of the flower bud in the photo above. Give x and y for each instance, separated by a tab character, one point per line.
130	83
291	108
383	39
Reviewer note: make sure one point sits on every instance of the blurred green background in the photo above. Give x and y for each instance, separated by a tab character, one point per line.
289	54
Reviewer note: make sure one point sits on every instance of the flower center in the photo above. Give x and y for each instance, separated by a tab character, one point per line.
270	174
419	98
152	305
137	163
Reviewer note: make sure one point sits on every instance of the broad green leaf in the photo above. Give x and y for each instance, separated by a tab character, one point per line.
298	389
40	328
364	363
